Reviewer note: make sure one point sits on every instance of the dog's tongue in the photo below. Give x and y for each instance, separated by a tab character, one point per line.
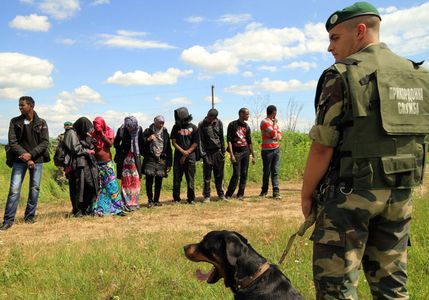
204	276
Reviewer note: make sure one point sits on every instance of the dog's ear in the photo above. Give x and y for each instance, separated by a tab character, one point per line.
243	239
234	248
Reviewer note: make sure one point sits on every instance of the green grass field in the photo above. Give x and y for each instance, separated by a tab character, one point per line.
141	256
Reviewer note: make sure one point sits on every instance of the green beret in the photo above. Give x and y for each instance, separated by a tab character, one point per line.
68	123
355	10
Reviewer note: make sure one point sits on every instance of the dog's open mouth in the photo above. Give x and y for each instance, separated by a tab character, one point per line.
211	276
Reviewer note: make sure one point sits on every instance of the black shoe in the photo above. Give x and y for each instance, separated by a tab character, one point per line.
5	226
277	196
176	201
263	195
158	203
30	221
121	214
150	205
191	202
79	214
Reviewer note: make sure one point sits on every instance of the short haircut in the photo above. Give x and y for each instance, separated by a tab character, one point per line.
271	109
243	110
27	99
213	113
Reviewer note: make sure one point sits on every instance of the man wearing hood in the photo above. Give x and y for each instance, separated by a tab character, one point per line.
212	149
184	137
28	142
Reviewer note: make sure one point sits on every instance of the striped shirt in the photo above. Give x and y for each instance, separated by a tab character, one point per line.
271	134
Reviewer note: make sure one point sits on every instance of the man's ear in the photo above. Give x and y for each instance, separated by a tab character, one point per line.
234	248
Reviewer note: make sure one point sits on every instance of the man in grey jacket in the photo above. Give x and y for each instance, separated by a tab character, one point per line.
28	142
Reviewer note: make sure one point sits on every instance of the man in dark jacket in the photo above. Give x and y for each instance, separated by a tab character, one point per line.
184	137
240	147
212	149
28	142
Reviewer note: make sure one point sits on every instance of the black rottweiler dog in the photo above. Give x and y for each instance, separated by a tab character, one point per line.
243	270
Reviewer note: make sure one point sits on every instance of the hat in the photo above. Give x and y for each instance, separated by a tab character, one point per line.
356	10
68	123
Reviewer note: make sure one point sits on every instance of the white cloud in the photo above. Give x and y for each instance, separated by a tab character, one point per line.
32	22
267	44
131	33
60	9
406	31
66	41
235	18
247	74
216	99
20	73
271	69
217	62
244	90
279	86
194	19
27	1
115	118
143	78
305	65
180	100
100	2
126	39
387	10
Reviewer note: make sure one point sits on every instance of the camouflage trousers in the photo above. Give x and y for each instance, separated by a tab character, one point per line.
368	228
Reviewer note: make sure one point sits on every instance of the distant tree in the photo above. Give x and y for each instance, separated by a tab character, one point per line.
258	106
291	115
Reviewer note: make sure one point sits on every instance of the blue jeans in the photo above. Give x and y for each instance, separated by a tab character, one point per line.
271	162
17	177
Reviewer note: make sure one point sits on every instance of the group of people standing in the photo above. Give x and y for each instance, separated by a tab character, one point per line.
88	162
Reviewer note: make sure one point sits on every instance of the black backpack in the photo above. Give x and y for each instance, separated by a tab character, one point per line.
60	153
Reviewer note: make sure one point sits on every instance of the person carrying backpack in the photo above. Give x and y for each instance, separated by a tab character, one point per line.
60	156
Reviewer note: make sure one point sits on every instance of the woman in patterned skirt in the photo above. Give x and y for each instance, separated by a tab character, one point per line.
109	199
128	161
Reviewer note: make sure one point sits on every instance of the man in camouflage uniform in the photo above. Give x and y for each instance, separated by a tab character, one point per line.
362	218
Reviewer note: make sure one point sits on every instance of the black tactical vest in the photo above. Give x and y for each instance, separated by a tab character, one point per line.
386	120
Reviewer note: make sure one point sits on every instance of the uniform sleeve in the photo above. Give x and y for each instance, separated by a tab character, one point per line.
325	131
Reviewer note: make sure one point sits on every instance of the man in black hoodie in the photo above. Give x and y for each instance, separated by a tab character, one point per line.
28	146
184	137
212	149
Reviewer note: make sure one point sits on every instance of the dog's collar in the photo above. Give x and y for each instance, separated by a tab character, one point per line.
249	280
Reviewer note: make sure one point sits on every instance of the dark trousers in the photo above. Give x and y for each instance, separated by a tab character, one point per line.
213	162
271	162
188	168
83	193
239	171
149	184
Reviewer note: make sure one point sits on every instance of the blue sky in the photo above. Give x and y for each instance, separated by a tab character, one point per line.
143	58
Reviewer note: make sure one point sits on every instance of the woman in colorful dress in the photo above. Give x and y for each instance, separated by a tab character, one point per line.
109	199
157	158
128	161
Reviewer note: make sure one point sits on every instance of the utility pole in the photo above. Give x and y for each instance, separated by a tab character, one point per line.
212	96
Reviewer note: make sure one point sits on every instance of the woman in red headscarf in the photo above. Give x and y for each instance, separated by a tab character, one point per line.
109	199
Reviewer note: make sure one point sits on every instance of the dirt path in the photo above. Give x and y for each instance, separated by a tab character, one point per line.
53	224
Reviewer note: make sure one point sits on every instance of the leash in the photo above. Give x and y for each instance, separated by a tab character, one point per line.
309	221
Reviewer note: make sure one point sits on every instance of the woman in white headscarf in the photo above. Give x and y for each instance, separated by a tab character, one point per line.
157	158
128	161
